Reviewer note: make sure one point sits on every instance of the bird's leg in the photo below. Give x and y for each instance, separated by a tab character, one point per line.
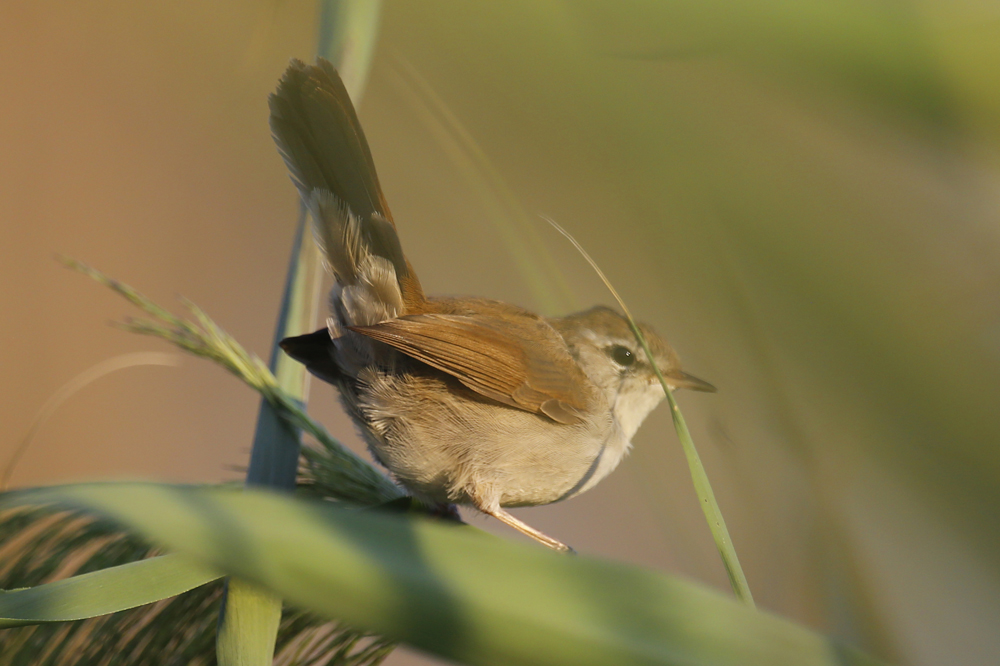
524	528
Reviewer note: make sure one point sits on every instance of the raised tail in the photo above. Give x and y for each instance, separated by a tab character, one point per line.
321	140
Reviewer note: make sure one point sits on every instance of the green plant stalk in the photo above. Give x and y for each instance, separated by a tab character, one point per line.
548	285
347	32
702	486
250	616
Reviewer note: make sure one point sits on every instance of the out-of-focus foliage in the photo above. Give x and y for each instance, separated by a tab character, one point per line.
37	544
451	589
804	197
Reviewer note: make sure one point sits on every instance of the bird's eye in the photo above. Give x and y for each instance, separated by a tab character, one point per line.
623	356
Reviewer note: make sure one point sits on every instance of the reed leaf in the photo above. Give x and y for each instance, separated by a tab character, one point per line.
450	589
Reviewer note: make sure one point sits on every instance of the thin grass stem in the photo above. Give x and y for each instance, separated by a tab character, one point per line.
702	486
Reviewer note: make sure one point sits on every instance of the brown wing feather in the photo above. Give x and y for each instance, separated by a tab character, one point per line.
488	355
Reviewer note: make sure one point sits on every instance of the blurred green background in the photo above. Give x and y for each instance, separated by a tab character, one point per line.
802	196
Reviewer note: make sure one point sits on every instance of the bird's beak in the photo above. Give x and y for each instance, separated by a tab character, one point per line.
681	379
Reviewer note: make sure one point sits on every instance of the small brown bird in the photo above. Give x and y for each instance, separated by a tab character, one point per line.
465	400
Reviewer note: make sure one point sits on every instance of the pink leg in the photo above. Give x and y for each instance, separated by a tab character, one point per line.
524	528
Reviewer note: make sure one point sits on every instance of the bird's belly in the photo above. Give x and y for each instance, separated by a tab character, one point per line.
475	452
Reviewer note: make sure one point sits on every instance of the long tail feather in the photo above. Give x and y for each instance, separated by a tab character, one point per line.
321	141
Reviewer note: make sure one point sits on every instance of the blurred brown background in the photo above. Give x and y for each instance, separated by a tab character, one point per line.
804	200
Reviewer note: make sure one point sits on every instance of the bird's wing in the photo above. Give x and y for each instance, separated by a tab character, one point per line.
489	355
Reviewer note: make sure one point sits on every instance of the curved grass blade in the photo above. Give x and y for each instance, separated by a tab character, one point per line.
70	388
702	486
549	286
452	590
344	474
102	592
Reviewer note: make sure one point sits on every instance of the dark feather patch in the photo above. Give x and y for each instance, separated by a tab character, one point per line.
315	351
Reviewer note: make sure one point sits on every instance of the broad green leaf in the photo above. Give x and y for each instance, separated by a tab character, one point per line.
102	592
452	590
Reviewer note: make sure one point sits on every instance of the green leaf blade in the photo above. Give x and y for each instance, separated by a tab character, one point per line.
453	590
103	592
